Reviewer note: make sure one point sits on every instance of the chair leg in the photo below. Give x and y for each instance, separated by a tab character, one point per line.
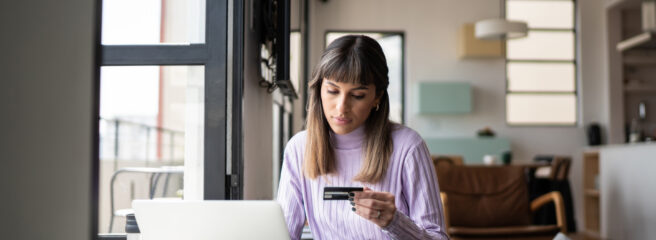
111	223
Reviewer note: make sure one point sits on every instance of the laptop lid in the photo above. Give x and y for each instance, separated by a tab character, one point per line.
166	219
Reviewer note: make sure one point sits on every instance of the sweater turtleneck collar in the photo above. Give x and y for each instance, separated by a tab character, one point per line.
352	140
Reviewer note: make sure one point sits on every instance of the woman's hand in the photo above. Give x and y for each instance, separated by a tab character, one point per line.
377	207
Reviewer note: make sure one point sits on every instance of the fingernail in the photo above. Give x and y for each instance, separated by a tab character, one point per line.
353	209
352	204
351	199
351	194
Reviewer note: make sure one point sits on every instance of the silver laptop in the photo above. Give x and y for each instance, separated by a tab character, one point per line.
165	219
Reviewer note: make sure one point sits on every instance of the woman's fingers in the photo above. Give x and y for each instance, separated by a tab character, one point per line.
382	196
372	199
377	207
378	216
372	203
367	212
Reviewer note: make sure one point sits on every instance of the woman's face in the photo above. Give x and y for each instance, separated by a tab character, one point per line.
346	105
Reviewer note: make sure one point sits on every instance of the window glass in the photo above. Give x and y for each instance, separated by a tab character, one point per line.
541	68
542	45
548	77
542	14
151	122
153	21
547	109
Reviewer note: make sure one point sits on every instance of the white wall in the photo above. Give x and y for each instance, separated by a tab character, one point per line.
431	28
627	193
46	101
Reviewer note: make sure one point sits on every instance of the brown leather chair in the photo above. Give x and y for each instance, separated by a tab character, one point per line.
447	159
492	203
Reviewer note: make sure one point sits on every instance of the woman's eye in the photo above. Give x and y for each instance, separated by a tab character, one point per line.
332	92
358	96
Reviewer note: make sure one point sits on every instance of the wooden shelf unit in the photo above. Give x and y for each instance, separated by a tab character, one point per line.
640	89
636	71
591	192
619	4
634	60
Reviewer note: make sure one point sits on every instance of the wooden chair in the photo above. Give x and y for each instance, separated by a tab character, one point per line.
560	168
556	179
492	203
557	170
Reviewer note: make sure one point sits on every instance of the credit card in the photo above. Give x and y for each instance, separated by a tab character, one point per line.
339	193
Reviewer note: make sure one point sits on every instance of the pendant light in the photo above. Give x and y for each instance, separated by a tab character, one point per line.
500	28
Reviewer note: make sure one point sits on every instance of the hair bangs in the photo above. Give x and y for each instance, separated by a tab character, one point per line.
347	67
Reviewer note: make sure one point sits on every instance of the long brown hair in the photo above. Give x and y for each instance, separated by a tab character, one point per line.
355	59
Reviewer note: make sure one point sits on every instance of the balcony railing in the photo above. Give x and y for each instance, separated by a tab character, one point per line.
122	140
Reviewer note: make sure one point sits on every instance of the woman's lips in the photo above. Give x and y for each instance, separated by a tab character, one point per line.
342	121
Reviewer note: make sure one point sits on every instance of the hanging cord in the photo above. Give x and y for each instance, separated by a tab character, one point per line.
269	11
270	63
270	86
271	66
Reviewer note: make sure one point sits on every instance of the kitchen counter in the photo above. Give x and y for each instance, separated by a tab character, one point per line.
627	178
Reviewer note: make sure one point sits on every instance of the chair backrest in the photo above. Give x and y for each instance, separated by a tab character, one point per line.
447	160
560	168
485	196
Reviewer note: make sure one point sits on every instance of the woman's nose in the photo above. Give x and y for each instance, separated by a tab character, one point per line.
343	104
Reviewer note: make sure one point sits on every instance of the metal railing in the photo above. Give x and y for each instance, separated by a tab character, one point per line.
135	147
133	141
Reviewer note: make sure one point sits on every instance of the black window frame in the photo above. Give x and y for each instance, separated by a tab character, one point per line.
220	67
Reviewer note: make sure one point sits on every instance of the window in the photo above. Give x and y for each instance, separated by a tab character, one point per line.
541	68
392	44
169	71
282	108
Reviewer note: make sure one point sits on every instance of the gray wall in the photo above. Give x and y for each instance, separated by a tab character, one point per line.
431	28
46	102
257	117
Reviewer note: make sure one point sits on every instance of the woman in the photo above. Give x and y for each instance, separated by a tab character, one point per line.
350	142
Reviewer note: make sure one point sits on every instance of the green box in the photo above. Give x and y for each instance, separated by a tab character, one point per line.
444	97
471	149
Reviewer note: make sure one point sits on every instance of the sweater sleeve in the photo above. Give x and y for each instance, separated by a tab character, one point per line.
290	190
425	219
